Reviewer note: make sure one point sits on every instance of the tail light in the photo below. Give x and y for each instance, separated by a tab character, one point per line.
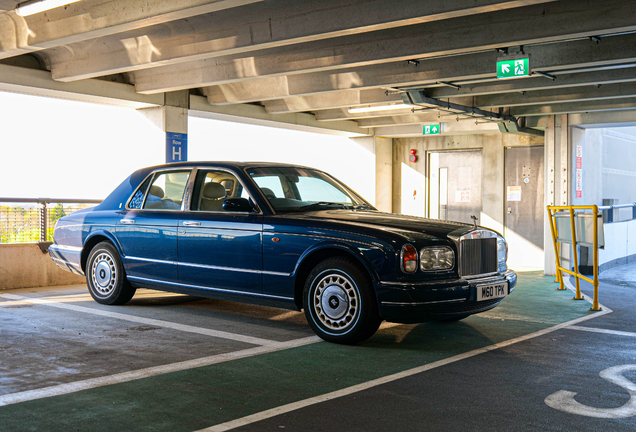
408	258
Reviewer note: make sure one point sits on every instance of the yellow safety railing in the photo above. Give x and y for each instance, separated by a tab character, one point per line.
552	212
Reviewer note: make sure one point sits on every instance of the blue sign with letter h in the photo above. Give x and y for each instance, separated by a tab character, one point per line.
176	147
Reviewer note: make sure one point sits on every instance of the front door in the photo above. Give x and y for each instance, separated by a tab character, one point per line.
525	208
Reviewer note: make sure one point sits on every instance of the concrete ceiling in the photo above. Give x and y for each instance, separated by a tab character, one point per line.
319	59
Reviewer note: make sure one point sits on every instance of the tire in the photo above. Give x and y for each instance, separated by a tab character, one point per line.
339	302
105	276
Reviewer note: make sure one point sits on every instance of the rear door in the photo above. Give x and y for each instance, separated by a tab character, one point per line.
147	228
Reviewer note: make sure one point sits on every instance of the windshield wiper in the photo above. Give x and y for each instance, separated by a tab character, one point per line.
318	205
363	207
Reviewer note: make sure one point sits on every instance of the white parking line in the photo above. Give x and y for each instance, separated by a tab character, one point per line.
123	377
390	378
149	321
600	330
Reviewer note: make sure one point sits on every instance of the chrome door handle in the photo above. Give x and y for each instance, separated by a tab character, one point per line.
191	223
127	221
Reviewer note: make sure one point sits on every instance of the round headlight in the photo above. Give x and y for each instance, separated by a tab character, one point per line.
437	258
502	252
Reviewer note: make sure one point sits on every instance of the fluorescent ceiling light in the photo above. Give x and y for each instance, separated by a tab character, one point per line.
379	108
36	6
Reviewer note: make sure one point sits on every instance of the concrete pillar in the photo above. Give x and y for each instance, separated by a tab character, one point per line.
549	267
172	118
383	173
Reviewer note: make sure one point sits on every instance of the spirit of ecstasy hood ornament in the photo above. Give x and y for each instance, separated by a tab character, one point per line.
474	218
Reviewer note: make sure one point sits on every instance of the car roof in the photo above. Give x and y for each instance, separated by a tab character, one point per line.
225	164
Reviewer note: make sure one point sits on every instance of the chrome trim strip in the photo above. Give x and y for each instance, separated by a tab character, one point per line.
151	260
422	303
210	288
69	248
212	267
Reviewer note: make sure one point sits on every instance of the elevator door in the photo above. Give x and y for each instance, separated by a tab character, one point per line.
455	185
525	207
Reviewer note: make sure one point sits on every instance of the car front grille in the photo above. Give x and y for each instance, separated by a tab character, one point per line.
477	256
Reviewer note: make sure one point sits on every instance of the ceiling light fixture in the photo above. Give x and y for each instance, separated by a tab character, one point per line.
36	6
379	108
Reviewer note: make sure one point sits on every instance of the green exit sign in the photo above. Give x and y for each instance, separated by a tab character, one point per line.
432	129
514	68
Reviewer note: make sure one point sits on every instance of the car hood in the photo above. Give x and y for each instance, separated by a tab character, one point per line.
401	224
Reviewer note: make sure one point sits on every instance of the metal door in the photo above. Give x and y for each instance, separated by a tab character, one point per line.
525	208
455	185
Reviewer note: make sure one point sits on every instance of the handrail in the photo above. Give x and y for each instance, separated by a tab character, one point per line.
552	211
50	200
42	224
617	206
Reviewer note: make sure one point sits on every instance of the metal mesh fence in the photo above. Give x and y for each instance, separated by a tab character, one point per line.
32	222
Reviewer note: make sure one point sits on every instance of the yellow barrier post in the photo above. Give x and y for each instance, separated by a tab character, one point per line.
552	210
555	236
595	305
578	295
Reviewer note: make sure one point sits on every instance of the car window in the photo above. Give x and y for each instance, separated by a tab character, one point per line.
212	188
166	191
138	199
314	189
271	186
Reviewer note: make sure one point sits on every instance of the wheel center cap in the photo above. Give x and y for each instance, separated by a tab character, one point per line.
103	274
335	302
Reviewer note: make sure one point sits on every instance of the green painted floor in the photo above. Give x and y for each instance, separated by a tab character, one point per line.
202	397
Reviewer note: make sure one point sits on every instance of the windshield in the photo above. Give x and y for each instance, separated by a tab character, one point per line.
300	189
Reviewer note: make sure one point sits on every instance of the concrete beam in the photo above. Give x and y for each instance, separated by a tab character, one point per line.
536	82
551	58
90	19
450	129
551	22
574	107
255	114
563	95
428	117
602	118
38	82
344	114
329	100
270	24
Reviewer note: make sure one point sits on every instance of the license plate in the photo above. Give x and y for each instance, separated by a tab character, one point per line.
488	292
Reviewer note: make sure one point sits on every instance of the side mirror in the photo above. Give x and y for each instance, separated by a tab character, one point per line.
237	205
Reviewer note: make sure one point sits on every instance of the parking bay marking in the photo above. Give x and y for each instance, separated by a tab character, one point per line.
389	378
149	321
564	400
604	331
123	377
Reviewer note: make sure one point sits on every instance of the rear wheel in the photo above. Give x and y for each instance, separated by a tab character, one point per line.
105	276
340	303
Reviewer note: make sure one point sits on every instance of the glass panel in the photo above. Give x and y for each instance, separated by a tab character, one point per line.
138	198
212	188
301	189
166	192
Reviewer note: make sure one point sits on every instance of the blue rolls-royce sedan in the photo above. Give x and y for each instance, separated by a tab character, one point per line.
284	236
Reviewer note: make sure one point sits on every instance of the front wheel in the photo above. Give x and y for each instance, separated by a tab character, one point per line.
340	303
105	276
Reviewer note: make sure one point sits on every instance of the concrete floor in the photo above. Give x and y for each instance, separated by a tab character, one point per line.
179	363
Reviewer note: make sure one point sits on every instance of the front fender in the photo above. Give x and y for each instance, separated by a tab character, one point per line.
364	253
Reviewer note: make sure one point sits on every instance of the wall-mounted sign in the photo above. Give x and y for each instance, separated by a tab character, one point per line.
579	171
176	147
514	68
462	196
432	129
513	193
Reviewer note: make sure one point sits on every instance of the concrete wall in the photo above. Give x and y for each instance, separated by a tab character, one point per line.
492	147
620	245
24	266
